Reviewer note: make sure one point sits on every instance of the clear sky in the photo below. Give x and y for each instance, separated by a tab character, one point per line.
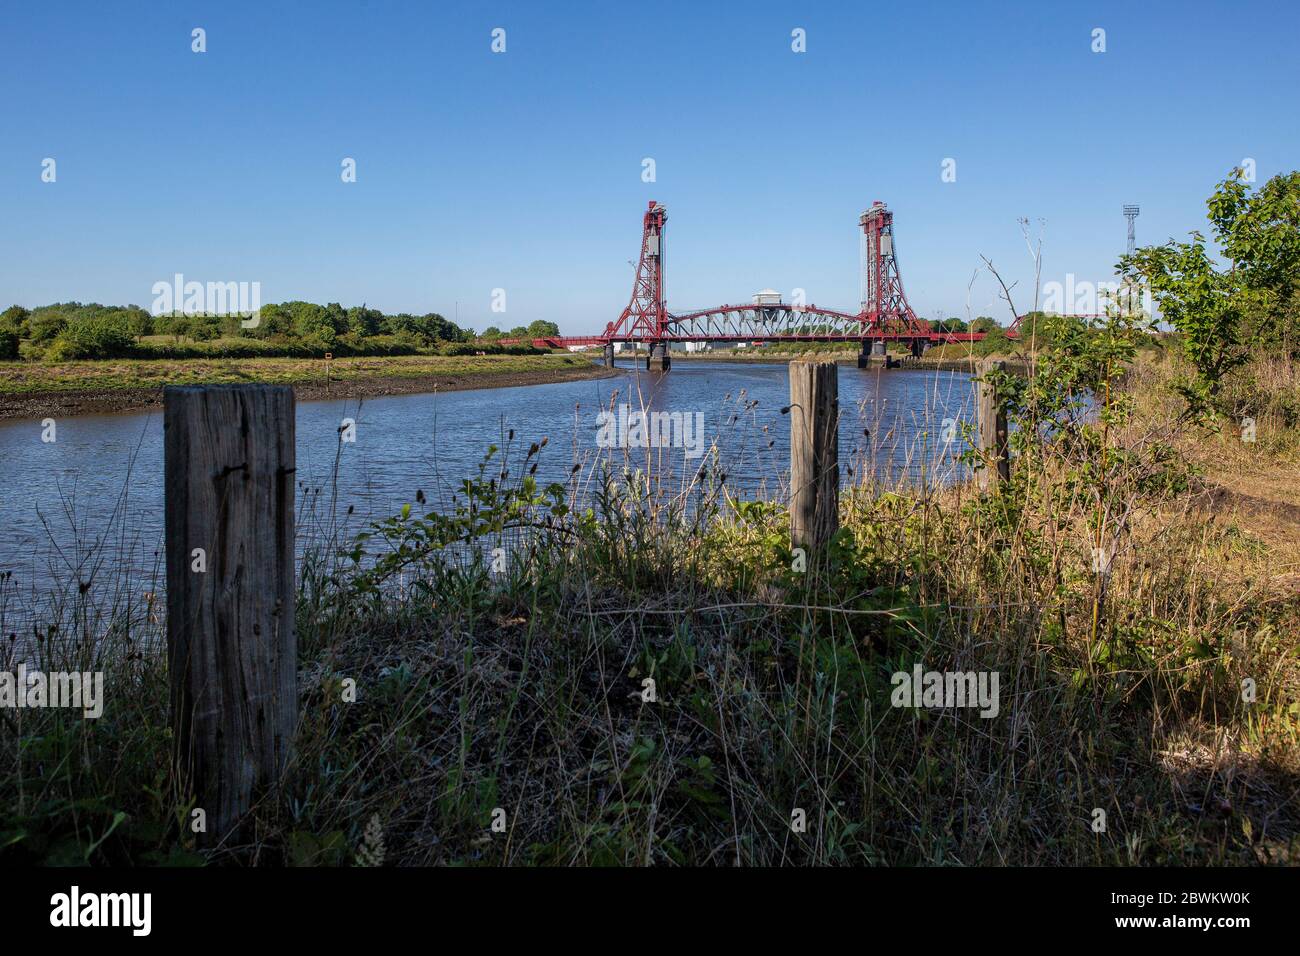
522	170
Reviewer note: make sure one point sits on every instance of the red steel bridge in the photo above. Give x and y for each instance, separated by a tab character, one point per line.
884	313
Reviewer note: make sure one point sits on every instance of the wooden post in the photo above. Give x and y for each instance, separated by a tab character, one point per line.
231	647
991	416
814	454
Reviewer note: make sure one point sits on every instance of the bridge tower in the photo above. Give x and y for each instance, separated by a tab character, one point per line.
885	311
645	319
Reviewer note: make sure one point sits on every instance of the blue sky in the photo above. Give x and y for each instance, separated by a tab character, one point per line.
522	170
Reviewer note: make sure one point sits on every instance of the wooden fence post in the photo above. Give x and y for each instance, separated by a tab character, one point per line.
231	646
814	454
991	415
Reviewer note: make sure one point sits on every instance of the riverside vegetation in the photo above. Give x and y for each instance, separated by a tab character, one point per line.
72	331
77	358
501	711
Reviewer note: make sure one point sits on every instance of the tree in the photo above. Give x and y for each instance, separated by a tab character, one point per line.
1217	311
542	329
46	323
1042	328
314	323
205	328
1259	234
140	321
174	324
8	339
432	327
16	317
363	322
274	322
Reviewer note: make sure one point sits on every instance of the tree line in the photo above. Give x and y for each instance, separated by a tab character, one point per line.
73	330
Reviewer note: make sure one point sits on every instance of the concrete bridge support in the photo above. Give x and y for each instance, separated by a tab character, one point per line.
609	355
872	349
658	357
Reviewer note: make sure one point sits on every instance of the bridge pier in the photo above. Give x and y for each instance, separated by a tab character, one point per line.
864	357
609	355
658	353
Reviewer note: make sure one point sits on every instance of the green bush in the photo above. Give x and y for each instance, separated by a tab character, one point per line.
8	342
141	322
45	324
205	329
459	348
18	317
995	342
108	335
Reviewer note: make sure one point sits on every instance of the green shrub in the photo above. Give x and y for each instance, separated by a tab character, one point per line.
459	348
44	325
98	336
8	342
18	317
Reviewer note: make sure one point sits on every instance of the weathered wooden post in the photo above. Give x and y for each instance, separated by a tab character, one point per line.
814	454
991	416
231	647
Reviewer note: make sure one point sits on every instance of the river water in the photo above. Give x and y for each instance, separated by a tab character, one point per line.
88	506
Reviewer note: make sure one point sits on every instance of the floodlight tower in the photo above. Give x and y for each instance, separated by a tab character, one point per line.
1131	214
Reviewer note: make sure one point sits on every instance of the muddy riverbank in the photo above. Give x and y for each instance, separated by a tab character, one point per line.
84	396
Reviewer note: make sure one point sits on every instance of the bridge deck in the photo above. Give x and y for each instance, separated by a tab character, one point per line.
564	341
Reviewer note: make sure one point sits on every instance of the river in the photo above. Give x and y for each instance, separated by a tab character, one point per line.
88	506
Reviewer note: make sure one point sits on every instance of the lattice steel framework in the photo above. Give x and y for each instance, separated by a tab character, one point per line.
760	322
885	312
884	305
645	317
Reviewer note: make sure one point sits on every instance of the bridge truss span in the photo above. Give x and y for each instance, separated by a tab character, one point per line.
764	322
884	312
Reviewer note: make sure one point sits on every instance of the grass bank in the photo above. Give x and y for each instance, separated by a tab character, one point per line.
35	390
1123	734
